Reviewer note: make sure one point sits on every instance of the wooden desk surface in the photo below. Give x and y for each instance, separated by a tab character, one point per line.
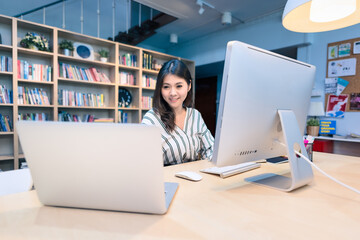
213	208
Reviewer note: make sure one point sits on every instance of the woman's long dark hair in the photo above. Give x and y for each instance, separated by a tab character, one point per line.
160	106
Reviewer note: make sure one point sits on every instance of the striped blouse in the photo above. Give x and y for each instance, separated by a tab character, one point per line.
179	146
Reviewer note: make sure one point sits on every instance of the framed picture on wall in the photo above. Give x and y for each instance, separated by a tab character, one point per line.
344	50
345	67
333	52
83	51
355	101
336	105
356	48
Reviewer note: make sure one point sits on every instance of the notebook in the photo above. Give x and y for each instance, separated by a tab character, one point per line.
104	166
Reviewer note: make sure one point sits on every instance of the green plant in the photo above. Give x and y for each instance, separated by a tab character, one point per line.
103	53
66	44
34	39
313	122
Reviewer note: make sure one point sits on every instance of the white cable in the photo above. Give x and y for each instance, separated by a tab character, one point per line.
327	175
321	171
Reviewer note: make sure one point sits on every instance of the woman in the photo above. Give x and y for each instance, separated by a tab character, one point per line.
184	134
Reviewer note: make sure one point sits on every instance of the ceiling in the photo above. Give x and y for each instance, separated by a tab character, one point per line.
189	25
192	25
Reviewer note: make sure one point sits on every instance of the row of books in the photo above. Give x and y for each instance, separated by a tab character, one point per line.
123	117
146	102
35	96
72	98
6	95
5	64
128	59
86	74
149	62
148	81
5	123
64	116
33	116
36	72
127	78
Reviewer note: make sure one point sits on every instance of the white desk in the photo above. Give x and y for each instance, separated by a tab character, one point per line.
213	208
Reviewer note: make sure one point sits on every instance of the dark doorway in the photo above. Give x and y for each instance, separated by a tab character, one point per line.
205	100
290	52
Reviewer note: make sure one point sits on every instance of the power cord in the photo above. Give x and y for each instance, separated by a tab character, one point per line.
321	171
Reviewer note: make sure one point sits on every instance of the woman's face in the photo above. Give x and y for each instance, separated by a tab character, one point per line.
174	91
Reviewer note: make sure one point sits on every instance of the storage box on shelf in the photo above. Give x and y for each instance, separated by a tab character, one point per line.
79	85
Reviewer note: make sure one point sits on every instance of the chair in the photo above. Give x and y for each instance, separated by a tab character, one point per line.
15	181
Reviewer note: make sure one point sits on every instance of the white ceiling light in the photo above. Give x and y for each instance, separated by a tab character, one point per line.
201	3
226	18
173	38
320	15
201	10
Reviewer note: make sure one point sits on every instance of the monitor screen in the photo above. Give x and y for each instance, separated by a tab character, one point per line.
258	86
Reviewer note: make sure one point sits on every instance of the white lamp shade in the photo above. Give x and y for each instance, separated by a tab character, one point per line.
296	17
331	10
316	109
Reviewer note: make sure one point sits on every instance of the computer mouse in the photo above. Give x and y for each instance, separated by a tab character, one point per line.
193	176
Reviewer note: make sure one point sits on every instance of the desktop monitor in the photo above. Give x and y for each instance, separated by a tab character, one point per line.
262	114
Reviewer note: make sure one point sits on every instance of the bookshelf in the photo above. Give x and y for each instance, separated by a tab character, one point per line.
84	88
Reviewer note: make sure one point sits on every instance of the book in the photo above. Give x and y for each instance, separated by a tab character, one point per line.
33	71
327	127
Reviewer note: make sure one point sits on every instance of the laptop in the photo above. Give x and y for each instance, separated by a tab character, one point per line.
104	166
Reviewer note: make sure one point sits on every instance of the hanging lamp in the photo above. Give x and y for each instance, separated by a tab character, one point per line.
320	15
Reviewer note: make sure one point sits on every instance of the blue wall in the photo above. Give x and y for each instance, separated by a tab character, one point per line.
268	33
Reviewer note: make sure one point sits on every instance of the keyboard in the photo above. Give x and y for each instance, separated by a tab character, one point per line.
228	171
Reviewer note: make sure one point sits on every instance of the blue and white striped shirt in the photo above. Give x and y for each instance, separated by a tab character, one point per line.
183	145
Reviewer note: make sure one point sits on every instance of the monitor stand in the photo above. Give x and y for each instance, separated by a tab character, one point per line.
301	171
